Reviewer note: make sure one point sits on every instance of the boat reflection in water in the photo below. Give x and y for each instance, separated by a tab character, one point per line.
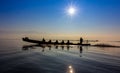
81	51
70	68
27	47
43	47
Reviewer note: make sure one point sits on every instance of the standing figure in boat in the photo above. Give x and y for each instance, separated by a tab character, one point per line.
81	40
43	40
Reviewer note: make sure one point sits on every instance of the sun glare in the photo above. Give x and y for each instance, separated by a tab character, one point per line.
71	11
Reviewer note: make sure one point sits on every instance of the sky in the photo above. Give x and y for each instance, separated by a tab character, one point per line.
93	19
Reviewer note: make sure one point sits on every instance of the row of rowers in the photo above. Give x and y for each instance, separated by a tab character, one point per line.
62	42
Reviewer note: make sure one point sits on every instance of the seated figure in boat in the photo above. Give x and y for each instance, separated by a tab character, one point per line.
62	42
49	42
68	42
56	42
26	38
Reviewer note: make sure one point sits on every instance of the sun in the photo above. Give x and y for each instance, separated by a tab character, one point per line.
71	10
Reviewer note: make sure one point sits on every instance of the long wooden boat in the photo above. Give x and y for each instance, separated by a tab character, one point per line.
26	39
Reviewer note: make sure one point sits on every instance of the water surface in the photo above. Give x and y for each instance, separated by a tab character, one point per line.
19	57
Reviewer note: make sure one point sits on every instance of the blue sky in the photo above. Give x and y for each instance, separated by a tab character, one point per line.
93	17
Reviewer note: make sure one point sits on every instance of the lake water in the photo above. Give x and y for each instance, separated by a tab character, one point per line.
19	57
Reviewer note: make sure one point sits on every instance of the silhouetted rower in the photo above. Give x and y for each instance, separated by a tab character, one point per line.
56	42
62	42
26	38
81	40
43	40
49	42
68	42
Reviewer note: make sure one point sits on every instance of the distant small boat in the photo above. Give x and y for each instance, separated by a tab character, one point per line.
26	39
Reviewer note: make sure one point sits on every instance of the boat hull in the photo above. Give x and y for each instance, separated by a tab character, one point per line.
51	43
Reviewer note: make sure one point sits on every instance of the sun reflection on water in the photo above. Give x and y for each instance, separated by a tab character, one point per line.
70	69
